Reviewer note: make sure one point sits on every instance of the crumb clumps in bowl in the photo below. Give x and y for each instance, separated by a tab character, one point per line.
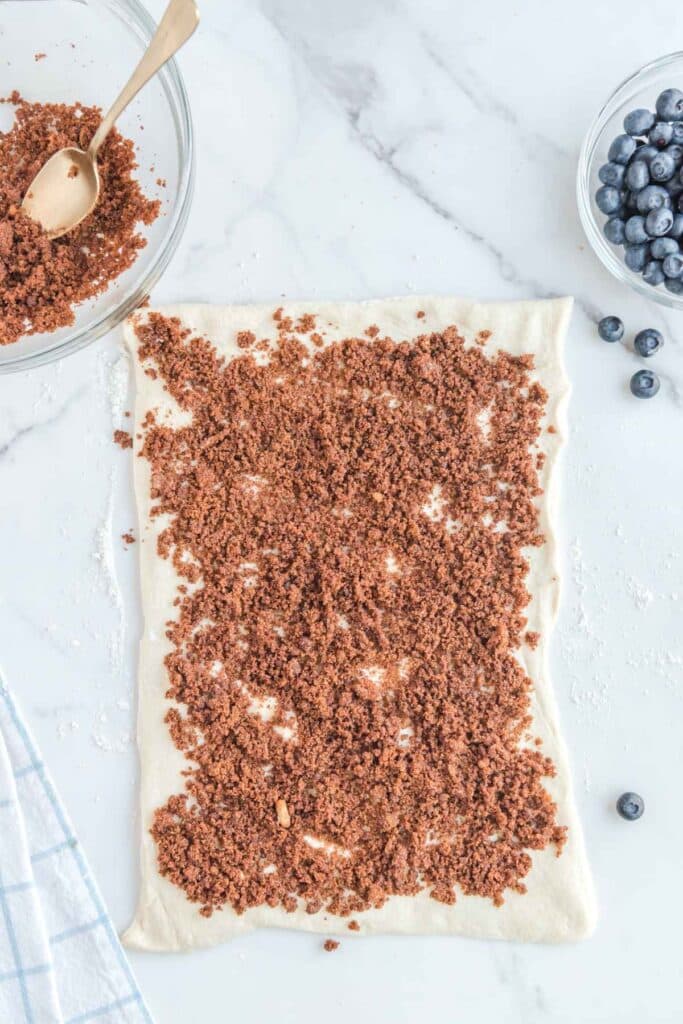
41	280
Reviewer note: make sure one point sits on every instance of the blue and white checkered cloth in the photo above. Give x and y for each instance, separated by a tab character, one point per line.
60	958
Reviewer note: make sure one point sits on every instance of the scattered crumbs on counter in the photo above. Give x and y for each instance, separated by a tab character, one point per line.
39	56
65	728
112	746
123	439
330	945
587	780
642	596
113	379
104	556
128	538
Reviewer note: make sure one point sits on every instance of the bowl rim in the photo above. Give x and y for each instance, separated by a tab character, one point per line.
603	250
138	18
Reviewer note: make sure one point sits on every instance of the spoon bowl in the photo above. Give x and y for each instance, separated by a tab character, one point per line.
64	191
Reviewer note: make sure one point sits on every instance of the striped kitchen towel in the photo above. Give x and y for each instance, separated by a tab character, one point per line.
60	958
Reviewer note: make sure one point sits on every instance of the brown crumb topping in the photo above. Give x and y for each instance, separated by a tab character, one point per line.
344	679
329	945
531	639
123	439
245	339
128	538
420	314
41	280
353	926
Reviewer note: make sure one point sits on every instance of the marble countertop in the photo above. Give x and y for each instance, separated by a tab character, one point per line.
350	150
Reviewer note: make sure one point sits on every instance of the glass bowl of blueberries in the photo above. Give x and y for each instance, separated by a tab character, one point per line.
630	182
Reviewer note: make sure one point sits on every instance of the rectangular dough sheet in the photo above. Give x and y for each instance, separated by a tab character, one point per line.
559	904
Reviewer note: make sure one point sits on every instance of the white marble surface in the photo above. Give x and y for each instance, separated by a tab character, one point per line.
358	149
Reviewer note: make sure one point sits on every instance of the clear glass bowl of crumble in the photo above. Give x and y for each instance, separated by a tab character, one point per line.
68	51
639	90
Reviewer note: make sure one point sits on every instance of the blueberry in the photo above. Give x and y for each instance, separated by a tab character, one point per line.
622	149
674	285
677	132
645	153
638	122
652	197
611	328
612	174
673	187
672	265
608	199
653	273
630	805
638	173
670	105
661	135
676	229
662	247
635	257
675	151
662	167
614	231
647	342
658	222
644	384
635	230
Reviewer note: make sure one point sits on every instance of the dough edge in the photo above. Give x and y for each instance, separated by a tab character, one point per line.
560	903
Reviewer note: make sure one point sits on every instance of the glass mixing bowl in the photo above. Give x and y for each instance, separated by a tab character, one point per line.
639	90
90	48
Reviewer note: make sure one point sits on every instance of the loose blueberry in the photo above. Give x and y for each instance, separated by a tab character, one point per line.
638	173
608	199
635	257
674	285
611	328
638	122
669	105
658	222
635	230
629	805
623	148
653	273
644	153
675	151
644	384
662	167
614	230
662	247
676	229
612	174
661	135
672	265
652	197
647	342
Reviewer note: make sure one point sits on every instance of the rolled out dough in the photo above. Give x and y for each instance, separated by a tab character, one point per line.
559	904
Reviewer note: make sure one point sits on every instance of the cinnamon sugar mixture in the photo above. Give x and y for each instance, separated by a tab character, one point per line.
41	280
349	523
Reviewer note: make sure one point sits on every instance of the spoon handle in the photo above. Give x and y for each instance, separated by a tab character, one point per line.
175	28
